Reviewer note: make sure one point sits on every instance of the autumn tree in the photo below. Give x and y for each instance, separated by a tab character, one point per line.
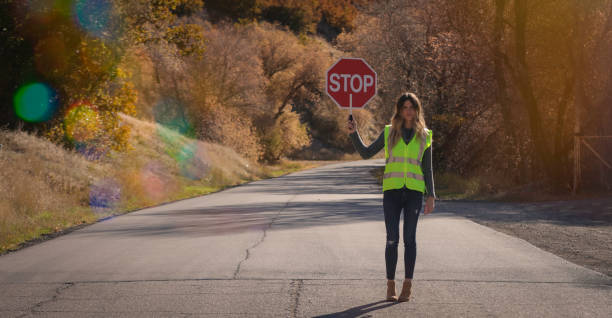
423	47
76	48
551	55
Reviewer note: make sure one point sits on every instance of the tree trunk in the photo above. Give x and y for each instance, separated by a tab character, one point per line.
500	79
540	143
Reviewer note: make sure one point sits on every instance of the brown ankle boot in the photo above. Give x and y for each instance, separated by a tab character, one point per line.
405	294
391	296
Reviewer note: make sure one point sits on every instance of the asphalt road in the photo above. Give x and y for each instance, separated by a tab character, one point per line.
306	244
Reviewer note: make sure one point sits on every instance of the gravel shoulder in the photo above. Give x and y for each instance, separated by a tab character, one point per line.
579	231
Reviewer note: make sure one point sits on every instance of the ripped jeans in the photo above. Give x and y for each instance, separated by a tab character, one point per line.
394	201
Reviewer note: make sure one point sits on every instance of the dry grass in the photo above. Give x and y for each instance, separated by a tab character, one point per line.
42	188
164	166
46	189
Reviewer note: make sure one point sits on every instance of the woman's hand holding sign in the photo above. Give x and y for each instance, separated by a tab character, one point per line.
351	125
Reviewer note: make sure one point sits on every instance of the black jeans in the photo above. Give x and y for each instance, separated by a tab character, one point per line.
394	201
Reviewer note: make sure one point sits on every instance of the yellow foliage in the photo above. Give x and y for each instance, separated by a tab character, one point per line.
188	39
340	14
96	122
82	124
286	136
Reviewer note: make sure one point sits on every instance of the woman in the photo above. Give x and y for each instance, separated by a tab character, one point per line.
408	175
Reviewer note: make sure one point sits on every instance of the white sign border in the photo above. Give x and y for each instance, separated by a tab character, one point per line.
351	58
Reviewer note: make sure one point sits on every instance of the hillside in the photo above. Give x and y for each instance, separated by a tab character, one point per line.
46	189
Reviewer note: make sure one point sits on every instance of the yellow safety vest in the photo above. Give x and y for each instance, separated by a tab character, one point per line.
403	162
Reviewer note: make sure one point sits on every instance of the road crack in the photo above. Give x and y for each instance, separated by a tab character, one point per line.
261	239
58	291
296	290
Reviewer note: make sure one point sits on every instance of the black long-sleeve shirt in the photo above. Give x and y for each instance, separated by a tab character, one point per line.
379	143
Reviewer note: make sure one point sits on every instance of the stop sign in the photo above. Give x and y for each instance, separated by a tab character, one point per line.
351	82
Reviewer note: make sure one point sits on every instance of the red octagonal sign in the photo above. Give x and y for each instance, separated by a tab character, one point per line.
351	81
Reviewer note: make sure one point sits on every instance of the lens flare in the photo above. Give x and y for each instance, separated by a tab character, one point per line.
94	16
190	155
83	127
104	193
152	183
63	6
51	57
82	123
192	161
90	150
171	114
39	7
35	102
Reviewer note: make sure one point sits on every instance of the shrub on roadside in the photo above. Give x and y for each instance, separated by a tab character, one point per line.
285	136
230	127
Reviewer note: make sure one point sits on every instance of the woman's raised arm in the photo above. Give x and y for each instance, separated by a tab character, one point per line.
369	151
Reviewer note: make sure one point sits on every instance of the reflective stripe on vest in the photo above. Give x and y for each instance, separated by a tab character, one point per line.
403	162
401	175
402	159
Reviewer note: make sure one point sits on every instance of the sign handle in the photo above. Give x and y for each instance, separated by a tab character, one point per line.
351	107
